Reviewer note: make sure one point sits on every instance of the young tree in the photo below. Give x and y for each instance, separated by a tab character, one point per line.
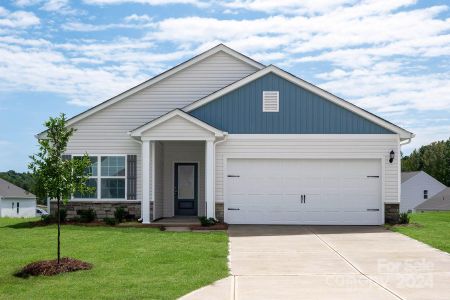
59	178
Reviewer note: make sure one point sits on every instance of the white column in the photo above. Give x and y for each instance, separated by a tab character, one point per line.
209	179
145	205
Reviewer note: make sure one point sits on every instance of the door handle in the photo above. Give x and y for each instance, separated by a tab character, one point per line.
304	198
234	208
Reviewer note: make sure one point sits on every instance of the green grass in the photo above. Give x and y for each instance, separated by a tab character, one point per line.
129	263
432	228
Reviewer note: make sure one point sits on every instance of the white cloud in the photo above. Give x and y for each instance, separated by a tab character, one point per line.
198	3
17	19
138	18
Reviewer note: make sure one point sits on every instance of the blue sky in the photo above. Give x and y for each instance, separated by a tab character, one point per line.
389	57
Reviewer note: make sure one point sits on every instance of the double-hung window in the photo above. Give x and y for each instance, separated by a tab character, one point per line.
107	176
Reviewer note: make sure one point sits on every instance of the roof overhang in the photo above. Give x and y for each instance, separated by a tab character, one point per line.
404	134
142	130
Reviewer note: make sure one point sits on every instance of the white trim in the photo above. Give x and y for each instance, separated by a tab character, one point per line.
161	77
145	204
311	136
226	157
176	138
175	113
153	172
209	179
404	134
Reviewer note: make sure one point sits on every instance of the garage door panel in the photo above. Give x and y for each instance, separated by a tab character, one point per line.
269	191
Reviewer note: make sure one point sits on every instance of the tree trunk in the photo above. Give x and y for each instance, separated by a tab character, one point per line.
59	228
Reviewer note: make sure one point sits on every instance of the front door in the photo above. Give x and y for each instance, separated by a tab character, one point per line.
185	189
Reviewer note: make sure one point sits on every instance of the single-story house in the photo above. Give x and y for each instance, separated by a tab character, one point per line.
417	187
15	201
224	136
439	202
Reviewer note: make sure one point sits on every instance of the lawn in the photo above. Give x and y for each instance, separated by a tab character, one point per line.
432	228
129	263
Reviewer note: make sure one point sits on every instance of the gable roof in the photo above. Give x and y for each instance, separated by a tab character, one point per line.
404	134
9	190
440	201
408	175
158	78
137	132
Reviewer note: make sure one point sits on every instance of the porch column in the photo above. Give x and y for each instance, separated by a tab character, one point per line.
209	179
145	205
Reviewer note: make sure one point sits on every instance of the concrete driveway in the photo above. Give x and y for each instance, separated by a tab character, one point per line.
329	262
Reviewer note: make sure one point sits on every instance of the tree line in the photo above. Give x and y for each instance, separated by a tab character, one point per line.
25	180
433	159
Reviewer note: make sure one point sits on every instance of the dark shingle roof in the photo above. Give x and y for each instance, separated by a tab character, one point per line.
9	190
440	201
408	175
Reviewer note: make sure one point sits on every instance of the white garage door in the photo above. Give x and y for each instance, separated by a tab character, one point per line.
293	191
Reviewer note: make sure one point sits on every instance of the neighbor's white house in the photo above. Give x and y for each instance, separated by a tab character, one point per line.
225	136
417	187
15	202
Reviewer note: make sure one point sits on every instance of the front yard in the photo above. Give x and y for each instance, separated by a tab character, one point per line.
432	228
129	263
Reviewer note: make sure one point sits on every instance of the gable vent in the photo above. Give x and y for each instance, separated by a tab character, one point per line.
271	101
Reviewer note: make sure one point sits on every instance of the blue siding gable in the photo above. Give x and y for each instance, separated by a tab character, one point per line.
301	112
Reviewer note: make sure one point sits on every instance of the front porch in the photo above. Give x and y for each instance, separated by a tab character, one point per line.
177	167
179	221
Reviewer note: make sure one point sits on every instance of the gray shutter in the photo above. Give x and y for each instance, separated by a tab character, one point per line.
131	177
66	157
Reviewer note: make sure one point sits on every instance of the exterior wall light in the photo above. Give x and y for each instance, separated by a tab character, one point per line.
391	156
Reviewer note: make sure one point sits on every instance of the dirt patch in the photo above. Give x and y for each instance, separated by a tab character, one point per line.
51	267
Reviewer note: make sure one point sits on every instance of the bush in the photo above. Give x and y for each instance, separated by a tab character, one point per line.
86	215
120	214
207	222
404	218
110	221
47	219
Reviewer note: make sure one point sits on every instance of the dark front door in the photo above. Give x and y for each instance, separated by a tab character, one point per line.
185	189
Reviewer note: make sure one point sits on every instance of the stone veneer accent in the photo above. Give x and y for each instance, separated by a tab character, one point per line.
219	212
103	209
391	213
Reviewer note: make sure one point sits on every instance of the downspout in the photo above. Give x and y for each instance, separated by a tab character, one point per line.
225	134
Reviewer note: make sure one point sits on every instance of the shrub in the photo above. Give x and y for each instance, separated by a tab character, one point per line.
86	215
110	221
207	222
47	219
120	214
404	218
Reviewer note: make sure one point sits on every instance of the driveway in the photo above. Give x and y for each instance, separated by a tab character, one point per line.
329	262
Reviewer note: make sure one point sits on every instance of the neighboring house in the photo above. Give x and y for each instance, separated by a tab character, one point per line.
15	201
439	202
225	136
416	188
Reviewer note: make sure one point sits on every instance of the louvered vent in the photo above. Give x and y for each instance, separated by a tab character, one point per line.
271	101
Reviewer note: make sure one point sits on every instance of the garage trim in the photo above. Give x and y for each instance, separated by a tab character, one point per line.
226	157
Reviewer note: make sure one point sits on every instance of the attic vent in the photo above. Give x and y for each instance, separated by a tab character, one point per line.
271	101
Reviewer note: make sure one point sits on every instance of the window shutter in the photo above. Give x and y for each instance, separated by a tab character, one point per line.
66	157
271	101
131	177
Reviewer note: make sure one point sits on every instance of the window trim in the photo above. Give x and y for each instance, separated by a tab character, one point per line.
99	178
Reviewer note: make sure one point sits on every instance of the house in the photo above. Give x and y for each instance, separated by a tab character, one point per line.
224	136
15	201
439	202
417	187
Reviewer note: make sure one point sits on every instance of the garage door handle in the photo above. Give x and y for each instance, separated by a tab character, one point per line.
234	176
373	209
234	208
373	176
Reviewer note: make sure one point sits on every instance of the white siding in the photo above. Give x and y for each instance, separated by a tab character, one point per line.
177	127
105	132
412	190
27	207
313	146
184	151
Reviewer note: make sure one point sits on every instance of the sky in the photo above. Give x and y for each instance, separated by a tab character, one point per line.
391	58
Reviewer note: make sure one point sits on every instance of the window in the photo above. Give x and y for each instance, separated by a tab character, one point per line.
425	194
271	101
107	176
17	206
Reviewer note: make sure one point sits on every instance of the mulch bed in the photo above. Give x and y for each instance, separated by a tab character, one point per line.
51	267
219	226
